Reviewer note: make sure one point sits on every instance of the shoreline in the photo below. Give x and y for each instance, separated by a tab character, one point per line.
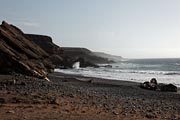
78	97
97	80
126	76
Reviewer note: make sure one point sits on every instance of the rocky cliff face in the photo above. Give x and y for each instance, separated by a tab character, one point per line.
36	55
65	56
113	58
84	53
19	54
46	43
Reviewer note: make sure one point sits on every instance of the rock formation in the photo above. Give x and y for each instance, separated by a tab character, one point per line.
159	87
46	43
19	54
36	55
64	57
85	56
168	88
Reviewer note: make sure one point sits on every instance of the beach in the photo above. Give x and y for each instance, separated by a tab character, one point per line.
79	98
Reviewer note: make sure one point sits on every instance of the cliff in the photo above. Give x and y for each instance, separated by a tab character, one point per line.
84	53
62	57
36	55
113	58
46	43
19	54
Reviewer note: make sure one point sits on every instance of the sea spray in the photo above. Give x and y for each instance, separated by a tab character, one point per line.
76	65
164	70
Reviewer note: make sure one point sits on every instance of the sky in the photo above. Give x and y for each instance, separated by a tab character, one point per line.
128	28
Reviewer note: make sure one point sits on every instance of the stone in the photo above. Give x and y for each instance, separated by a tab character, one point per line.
46	43
168	88
153	85
21	55
56	101
115	113
11	111
150	116
2	101
23	83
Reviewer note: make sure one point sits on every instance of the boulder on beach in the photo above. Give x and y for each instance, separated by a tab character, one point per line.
63	57
168	88
153	85
19	54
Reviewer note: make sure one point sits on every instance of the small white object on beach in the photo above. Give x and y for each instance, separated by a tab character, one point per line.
76	65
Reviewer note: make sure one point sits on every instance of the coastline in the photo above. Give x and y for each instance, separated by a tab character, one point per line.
96	80
78	97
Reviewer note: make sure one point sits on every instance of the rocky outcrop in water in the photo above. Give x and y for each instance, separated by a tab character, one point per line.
159	87
64	57
19	54
85	55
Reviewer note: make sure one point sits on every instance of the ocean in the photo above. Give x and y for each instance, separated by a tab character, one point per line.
136	70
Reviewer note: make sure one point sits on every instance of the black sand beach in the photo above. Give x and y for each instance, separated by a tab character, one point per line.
76	97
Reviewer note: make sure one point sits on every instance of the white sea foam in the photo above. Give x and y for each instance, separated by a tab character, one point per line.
164	72
76	65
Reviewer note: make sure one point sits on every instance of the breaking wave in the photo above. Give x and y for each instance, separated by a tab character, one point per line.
165	70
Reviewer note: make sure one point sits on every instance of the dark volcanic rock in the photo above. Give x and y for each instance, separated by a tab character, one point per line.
68	62
2	101
65	56
19	54
168	88
59	56
84	53
56	60
159	87
46	43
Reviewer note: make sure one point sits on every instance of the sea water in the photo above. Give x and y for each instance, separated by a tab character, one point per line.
137	70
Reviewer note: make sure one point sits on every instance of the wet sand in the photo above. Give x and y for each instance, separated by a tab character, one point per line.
82	98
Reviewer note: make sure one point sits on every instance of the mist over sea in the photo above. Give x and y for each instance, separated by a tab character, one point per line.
138	70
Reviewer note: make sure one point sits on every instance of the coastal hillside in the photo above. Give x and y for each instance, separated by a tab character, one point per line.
46	43
19	54
37	55
65	57
86	54
109	56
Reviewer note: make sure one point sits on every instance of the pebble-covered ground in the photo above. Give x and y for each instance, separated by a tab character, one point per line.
82	98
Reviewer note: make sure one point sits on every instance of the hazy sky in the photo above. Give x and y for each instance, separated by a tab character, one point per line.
130	28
